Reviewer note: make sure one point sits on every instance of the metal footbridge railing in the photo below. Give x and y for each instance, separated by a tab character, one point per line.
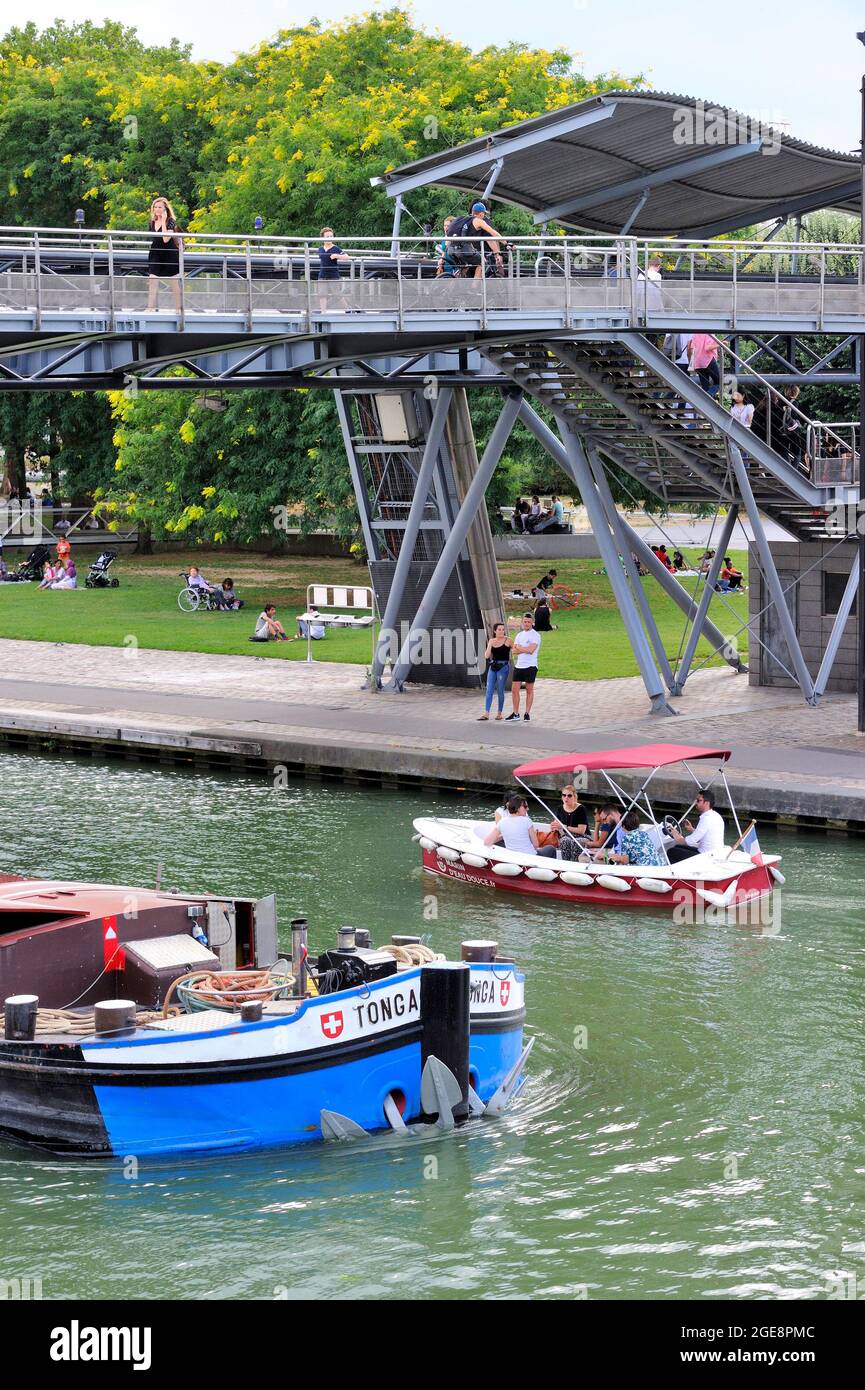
57	278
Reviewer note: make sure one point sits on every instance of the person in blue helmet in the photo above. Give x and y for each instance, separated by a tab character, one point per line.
468	256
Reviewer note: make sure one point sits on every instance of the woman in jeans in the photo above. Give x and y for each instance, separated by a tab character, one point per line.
498	658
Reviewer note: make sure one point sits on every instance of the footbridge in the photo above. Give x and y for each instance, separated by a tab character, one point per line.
633	242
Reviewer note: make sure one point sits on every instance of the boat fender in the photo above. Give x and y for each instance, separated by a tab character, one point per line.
541	875
415	836
427	844
507	870
654	885
445	852
719	899
475	861
617	885
776	874
577	880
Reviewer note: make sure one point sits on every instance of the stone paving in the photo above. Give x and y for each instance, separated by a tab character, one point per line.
323	707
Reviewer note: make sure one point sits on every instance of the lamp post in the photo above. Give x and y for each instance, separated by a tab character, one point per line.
860	510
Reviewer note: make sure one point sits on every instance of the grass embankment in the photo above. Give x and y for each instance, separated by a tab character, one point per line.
590	643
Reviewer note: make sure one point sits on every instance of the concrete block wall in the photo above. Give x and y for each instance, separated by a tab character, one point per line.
793	559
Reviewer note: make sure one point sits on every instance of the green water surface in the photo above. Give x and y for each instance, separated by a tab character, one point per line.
692	1126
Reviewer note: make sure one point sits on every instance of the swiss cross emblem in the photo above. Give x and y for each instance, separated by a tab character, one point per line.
332	1024
505	992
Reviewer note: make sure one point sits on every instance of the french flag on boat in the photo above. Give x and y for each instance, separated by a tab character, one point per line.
751	845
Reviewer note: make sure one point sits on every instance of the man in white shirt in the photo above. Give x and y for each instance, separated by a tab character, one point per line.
706	837
517	832
527	644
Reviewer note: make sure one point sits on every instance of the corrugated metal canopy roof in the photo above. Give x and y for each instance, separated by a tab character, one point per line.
671	164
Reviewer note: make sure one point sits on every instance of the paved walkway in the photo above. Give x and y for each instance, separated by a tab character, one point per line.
786	756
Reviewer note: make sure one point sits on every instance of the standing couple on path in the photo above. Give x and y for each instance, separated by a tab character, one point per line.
524	648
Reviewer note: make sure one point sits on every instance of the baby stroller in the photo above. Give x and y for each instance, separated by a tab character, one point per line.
97	577
30	570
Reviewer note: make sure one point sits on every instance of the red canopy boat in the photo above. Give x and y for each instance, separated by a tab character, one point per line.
598	867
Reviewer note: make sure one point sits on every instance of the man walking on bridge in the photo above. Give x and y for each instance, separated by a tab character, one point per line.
469	255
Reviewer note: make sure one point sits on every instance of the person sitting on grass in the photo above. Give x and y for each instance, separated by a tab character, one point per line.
638	847
268	628
66	575
543	621
229	597
49	574
730	577
544	584
4	572
311	627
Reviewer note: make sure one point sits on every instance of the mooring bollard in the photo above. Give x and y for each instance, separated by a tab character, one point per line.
20	1017
444	1011
115	1016
480	952
250	1010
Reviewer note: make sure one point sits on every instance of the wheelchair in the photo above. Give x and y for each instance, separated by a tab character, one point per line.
192	599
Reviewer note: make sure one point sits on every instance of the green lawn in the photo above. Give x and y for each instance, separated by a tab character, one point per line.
590	643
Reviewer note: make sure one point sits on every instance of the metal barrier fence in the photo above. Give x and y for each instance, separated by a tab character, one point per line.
46	271
28	523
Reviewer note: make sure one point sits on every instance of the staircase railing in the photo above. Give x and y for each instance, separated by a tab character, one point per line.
820	440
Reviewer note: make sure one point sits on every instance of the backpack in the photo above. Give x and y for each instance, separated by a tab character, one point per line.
463	253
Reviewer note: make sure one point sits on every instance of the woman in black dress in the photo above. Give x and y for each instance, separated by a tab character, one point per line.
163	259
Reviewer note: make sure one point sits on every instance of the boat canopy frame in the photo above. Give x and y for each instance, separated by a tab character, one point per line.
631	802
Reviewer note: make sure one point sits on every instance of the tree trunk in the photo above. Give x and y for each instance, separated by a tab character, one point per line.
15	470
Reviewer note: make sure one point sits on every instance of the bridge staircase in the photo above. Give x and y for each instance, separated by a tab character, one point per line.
629	401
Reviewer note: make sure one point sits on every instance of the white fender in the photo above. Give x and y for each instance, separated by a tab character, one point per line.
475	861
445	852
719	899
576	879
776	874
541	875
507	870
654	885
427	844
415	836
618	885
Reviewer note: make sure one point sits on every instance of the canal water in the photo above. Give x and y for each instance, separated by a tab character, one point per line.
692	1126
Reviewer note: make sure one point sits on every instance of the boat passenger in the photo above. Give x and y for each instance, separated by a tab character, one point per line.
706	838
608	832
638	847
516	831
573	818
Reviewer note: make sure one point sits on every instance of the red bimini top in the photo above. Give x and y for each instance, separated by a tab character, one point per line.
645	755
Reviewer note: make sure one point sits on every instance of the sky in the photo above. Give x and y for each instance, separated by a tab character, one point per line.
797	65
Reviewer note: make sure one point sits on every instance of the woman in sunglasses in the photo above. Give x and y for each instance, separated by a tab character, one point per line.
572	822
